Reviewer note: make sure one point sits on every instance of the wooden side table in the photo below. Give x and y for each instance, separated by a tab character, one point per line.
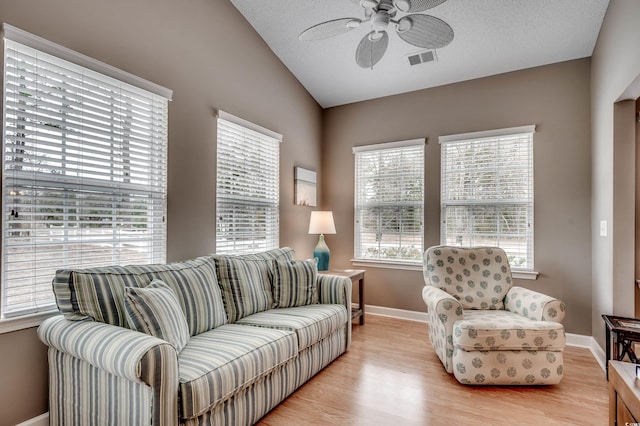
621	334
356	275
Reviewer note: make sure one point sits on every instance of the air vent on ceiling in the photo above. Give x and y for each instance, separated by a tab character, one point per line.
421	58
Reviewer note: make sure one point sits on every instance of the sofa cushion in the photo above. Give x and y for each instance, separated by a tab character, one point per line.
311	323
294	283
245	284
479	277
155	310
94	293
504	330
98	293
216	364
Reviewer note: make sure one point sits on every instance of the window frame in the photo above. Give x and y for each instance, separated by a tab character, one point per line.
402	147
476	139
69	62
235	202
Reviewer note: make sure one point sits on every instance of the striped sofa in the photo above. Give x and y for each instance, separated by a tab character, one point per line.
217	340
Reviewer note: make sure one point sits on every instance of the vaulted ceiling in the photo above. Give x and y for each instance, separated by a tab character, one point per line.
490	37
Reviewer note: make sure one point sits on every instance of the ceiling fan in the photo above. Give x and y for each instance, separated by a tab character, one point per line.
420	30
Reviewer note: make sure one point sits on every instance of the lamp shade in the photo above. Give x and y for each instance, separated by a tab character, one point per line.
321	222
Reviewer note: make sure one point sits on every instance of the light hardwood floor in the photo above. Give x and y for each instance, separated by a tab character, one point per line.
391	376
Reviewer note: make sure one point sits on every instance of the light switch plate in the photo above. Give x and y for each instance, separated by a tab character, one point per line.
603	228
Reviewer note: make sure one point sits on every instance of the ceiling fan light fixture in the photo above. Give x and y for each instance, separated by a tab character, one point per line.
369	4
380	21
402	5
376	35
354	23
404	24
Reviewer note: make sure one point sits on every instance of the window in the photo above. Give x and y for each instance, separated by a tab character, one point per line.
487	191
84	169
389	201
247	188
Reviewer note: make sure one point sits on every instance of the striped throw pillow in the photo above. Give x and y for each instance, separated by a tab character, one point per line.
294	283
155	310
245	285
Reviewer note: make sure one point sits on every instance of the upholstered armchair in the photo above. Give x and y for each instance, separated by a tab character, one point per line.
485	330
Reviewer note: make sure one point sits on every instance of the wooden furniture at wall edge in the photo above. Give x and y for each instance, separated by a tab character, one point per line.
624	393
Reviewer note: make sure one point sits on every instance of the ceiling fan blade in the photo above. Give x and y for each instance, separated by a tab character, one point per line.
422	5
371	50
425	31
329	29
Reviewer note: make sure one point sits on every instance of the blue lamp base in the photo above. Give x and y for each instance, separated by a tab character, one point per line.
321	252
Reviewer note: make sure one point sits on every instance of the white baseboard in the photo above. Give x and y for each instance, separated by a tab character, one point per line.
396	313
577	340
590	343
41	420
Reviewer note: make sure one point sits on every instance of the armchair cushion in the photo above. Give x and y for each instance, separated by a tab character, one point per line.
294	283
155	310
506	331
508	367
479	277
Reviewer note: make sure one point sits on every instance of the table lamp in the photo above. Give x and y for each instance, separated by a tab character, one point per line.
321	222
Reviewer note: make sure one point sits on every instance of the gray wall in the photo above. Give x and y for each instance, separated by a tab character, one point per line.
211	58
555	98
615	72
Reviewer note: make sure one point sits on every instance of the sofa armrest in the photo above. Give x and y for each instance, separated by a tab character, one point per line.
336	290
534	305
443	310
125	353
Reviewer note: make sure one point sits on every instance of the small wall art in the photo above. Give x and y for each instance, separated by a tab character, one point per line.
304	181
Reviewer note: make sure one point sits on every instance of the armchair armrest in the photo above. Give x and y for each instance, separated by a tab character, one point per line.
443	311
334	289
125	353
534	305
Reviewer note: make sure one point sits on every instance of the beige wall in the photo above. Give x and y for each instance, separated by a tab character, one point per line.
555	98
211	58
614	77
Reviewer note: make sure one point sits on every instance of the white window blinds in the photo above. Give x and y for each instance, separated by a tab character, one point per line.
84	172
247	188
487	191
389	201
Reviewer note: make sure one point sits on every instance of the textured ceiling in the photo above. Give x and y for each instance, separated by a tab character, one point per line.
491	37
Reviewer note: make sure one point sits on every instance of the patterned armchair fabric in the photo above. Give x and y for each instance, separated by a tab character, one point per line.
443	310
484	329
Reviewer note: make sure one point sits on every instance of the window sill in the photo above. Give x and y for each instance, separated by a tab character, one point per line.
525	274
521	274
25	321
386	264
